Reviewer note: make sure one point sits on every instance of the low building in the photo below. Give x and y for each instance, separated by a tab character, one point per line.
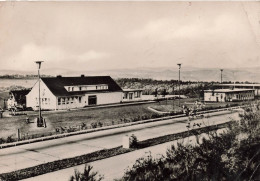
228	95
74	92
132	95
17	99
256	87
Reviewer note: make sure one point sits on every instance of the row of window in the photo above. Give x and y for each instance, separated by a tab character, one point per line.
243	96
84	88
44	101
128	95
69	100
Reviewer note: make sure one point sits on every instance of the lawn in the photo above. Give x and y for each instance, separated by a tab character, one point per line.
10	125
167	106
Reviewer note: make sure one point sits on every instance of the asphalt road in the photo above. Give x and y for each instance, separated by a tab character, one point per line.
115	167
15	158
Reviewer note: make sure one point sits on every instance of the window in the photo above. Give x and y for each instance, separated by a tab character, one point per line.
79	99
80	88
68	88
59	101
72	89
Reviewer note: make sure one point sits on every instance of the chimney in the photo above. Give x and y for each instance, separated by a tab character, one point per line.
82	75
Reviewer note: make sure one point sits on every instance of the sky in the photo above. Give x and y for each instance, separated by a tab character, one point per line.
119	35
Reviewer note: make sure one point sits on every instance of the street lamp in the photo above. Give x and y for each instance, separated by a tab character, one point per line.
39	119
179	64
221	70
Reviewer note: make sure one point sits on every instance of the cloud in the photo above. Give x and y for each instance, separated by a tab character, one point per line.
92	55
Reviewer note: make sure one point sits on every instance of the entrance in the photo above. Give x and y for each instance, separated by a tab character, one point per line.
130	96
92	100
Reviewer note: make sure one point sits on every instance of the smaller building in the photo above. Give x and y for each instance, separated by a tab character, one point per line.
132	95
256	87
228	95
17	99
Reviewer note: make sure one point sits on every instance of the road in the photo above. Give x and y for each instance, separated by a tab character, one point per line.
15	158
114	167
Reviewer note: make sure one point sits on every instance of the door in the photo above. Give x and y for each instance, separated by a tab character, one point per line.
92	100
130	96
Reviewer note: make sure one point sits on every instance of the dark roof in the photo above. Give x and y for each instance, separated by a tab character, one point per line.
56	84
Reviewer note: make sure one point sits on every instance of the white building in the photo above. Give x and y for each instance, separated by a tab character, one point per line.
256	87
74	92
228	95
132	95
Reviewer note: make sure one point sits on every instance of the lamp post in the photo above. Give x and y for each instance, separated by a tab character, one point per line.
179	64
221	70
39	119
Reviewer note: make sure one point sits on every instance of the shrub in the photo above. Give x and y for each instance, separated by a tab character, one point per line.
10	139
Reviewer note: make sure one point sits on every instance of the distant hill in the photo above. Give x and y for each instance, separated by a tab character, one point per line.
161	73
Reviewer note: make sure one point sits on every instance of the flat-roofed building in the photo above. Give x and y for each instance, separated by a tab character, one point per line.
228	95
132	95
256	87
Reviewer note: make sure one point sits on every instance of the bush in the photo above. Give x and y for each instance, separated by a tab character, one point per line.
10	139
232	155
86	175
133	141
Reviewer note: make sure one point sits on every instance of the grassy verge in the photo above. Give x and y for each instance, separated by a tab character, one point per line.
98	155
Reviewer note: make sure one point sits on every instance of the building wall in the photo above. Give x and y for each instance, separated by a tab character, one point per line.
126	96
216	97
48	100
107	98
77	102
229	96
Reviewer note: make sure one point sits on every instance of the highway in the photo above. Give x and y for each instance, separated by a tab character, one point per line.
15	158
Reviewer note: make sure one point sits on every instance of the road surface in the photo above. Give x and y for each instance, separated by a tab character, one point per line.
15	158
114	167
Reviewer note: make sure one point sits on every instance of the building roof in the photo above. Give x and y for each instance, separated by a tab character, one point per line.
240	85
228	90
57	84
19	95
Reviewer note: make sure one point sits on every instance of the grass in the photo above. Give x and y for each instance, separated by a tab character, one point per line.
170	106
9	125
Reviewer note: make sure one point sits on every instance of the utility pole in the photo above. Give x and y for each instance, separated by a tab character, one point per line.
39	119
179	64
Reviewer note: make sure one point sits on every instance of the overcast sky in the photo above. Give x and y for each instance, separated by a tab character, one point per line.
114	35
